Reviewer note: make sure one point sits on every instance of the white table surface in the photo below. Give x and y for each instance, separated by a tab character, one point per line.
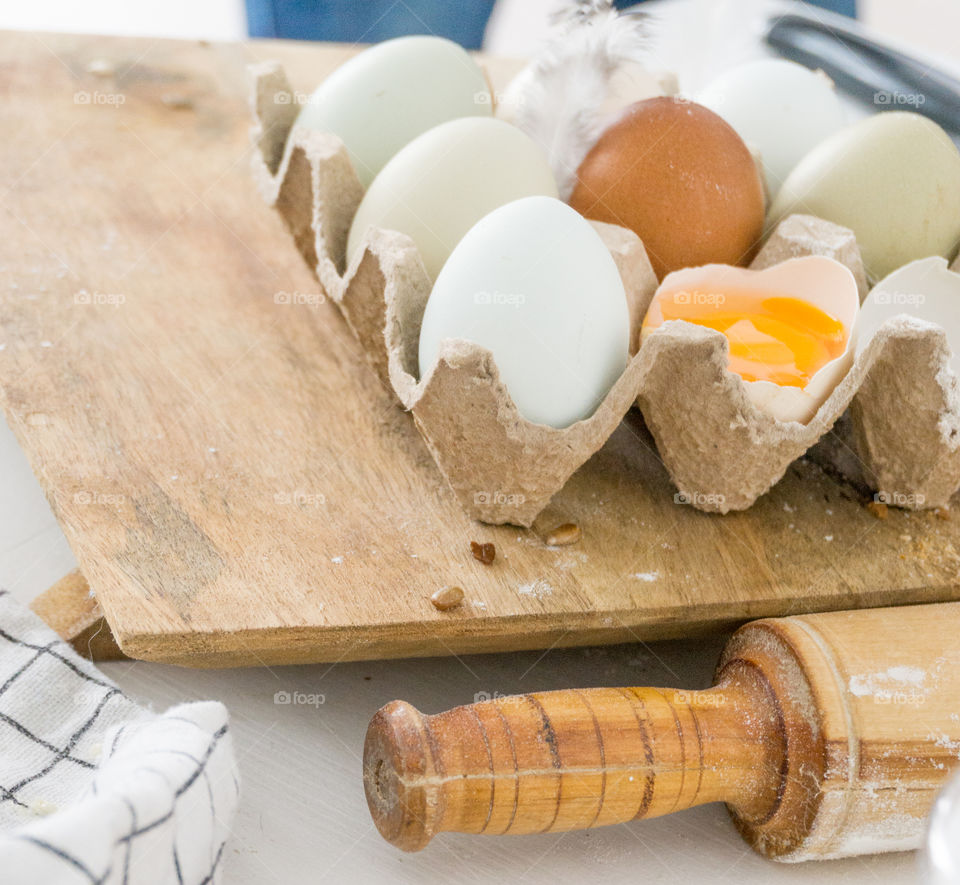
303	817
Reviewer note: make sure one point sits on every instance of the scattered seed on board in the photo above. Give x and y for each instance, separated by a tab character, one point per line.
447	598
562	535
485	553
177	100
101	67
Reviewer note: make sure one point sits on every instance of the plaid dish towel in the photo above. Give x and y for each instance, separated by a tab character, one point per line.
93	788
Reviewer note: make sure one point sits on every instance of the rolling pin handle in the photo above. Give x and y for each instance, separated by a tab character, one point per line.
566	760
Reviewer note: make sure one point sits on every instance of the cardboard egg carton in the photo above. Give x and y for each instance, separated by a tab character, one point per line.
503	468
721	451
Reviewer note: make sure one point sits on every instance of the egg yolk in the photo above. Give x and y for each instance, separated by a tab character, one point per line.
776	338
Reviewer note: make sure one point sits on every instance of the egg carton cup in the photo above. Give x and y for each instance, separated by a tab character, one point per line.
720	450
798	236
503	468
306	176
723	452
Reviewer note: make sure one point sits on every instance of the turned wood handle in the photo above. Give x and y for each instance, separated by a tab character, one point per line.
569	759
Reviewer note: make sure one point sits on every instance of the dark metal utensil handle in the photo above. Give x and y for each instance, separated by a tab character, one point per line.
880	76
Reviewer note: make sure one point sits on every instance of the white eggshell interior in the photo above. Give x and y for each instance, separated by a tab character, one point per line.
924	289
386	96
533	283
820	281
442	183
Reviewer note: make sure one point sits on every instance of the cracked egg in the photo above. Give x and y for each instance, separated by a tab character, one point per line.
789	328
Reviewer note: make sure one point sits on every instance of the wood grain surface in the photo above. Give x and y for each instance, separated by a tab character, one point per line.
75	614
235	483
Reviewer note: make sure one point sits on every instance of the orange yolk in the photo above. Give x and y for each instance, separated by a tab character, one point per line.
778	338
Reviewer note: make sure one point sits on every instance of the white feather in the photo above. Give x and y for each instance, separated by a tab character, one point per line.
558	98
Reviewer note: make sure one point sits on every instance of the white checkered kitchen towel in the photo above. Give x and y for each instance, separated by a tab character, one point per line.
93	788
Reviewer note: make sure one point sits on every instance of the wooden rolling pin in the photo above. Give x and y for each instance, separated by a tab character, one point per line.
827	735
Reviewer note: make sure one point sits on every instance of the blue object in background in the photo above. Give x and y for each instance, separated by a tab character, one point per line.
844	7
351	21
370	21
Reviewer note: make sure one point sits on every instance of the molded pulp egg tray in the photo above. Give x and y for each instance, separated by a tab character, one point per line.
721	451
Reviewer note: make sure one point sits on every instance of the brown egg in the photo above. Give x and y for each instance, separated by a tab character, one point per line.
681	178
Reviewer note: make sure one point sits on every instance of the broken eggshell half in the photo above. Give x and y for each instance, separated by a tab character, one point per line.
905	419
812	281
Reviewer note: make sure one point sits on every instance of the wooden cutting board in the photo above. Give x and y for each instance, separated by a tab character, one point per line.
237	486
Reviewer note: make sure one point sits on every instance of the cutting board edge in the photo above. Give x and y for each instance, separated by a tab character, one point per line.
279	646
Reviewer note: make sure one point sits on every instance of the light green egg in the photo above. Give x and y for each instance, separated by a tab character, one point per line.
442	183
894	179
386	96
